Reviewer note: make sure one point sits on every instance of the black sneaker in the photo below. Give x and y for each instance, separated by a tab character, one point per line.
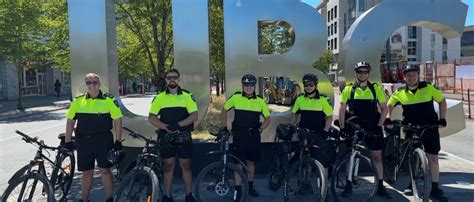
110	200
382	192
438	194
190	198
253	192
237	193
408	191
347	190
167	198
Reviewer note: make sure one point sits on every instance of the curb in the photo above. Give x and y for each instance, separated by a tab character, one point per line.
20	114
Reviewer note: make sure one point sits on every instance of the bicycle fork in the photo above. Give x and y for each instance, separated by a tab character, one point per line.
353	166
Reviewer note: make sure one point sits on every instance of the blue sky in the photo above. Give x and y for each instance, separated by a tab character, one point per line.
469	18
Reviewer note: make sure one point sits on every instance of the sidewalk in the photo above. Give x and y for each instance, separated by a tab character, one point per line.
33	105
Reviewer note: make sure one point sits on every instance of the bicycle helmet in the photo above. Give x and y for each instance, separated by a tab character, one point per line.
362	64
411	68
180	137
285	131
310	78
249	79
115	157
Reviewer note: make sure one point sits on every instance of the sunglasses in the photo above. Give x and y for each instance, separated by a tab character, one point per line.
92	83
362	72
309	85
172	77
249	85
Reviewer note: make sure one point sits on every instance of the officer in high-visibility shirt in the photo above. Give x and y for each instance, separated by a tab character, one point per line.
96	113
246	127
174	112
416	99
312	111
366	100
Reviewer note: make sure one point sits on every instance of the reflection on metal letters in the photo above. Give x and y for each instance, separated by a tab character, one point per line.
241	45
366	37
191	49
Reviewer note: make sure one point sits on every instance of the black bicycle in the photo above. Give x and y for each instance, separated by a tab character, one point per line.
398	150
355	167
142	177
31	183
216	181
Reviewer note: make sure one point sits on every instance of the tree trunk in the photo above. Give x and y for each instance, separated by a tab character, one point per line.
218	89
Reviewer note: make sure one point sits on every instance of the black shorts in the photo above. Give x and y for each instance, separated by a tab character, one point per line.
170	150
322	152
92	148
375	143
431	141
246	146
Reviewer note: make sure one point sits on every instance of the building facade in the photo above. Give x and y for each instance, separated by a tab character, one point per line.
467	46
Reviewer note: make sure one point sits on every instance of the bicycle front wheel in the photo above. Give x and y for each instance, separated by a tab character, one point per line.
363	178
36	187
138	185
306	183
216	182
63	175
420	177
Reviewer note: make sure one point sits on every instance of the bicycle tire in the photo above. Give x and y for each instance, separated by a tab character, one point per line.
62	179
366	187
419	166
47	189
391	156
305	192
202	186
142	177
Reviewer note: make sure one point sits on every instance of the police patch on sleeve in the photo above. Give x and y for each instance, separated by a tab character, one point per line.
116	103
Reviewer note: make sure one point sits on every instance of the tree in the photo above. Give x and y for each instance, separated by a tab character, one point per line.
324	61
150	22
57	24
22	37
216	29
275	37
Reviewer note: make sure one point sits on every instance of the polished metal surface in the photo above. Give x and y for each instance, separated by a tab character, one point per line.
366	37
191	49
241	19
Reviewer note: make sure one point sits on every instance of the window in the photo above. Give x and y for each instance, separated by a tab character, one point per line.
412	48
332	29
335	11
361	6
329	43
445	41
433	40
432	55
329	31
411	32
335	28
335	43
329	15
332	44
345	23
445	55
411	59
30	77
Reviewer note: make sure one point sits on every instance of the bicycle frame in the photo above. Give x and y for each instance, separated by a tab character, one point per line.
225	153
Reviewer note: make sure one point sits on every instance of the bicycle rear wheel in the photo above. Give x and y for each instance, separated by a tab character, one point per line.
37	188
391	156
420	176
216	182
307	183
138	185
364	178
63	175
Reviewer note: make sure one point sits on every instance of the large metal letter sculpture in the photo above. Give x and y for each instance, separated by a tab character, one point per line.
241	45
366	37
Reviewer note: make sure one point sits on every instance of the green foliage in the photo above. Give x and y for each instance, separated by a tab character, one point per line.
275	37
324	61
216	32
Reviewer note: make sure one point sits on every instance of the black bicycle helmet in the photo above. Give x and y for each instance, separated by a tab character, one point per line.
249	79
180	137
362	64
310	78
285	131
411	68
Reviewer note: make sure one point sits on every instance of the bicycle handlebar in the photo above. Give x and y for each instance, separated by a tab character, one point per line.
137	135
414	128
34	140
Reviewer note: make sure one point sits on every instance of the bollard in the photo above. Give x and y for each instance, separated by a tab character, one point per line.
462	91
469	102
143	90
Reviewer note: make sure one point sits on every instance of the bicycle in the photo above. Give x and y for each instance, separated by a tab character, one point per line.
142	177
54	188
216	181
355	166
306	179
410	148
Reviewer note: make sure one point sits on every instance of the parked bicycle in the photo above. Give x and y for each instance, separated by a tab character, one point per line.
411	149
31	183
142	177
216	181
355	167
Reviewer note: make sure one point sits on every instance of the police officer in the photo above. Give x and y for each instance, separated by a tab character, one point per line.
177	112
96	113
313	111
418	97
246	127
363	99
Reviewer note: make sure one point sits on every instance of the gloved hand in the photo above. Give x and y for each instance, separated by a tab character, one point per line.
173	127
442	122
117	145
387	122
69	146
